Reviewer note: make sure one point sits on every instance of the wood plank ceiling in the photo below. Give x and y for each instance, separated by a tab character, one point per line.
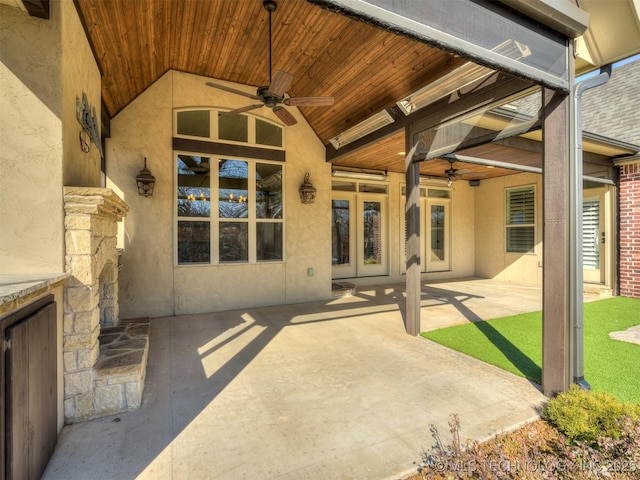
365	68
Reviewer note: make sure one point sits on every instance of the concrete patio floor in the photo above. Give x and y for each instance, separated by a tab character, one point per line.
323	390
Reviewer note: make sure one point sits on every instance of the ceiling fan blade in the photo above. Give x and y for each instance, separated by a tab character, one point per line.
284	115
242	109
188	161
309	101
462	171
280	83
232	90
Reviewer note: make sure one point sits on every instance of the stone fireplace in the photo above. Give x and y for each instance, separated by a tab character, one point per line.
104	362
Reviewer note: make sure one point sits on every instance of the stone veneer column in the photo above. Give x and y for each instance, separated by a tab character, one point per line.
630	230
91	216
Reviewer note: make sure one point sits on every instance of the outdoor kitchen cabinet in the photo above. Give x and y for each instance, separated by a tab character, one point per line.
29	389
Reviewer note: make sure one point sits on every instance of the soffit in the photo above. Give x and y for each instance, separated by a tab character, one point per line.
365	68
613	33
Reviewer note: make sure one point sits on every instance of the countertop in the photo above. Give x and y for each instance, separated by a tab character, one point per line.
16	286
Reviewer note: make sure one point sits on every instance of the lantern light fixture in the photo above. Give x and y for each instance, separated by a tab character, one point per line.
145	181
307	191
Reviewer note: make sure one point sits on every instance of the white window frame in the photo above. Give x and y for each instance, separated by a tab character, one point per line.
426	265
356	198
509	226
214	130
214	219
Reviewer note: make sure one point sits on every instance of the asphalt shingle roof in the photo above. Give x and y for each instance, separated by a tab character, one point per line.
613	109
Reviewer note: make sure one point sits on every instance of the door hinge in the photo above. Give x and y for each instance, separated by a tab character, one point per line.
6	344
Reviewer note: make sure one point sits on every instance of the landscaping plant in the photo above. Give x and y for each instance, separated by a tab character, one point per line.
583	435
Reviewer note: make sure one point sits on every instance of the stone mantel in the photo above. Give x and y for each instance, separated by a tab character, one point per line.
94	201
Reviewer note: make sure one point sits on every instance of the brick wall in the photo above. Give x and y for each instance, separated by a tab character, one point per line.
630	230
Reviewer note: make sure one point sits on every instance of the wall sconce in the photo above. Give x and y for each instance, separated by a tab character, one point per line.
145	181
307	191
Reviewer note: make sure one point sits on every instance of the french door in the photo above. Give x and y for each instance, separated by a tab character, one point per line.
359	235
435	231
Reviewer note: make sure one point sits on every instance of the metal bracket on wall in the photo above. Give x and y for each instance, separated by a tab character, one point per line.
86	116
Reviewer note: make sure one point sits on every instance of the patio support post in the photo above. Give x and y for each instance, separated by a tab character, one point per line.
412	218
556	206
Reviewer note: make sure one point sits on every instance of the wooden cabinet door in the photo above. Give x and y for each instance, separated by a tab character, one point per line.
31	394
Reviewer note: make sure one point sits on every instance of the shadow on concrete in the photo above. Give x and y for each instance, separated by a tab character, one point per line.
194	359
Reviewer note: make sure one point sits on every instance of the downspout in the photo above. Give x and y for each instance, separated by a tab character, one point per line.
576	312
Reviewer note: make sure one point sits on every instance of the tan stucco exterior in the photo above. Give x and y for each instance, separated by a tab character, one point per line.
79	75
150	282
44	66
31	237
492	259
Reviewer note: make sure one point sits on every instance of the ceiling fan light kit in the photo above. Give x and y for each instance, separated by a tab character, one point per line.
274	95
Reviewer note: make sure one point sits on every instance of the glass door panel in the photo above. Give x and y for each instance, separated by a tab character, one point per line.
372	255
438	228
593	239
342	237
437	233
372	238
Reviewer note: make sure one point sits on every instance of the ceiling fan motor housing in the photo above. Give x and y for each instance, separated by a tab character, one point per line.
269	99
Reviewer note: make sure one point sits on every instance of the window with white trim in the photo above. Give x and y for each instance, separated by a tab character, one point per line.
242	222
520	219
219	126
229	208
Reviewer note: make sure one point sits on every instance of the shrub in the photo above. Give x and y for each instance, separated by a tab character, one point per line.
585	416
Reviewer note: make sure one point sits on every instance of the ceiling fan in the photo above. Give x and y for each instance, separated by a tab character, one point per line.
451	173
273	95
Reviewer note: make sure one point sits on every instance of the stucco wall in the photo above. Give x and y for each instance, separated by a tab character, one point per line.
79	75
492	259
150	284
44	65
31	215
463	219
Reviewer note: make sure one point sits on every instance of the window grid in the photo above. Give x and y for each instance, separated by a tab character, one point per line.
186	126
520	219
195	227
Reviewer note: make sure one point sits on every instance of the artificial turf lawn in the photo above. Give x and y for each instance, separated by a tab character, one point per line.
515	344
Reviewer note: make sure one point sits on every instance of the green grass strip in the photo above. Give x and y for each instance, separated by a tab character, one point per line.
515	344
